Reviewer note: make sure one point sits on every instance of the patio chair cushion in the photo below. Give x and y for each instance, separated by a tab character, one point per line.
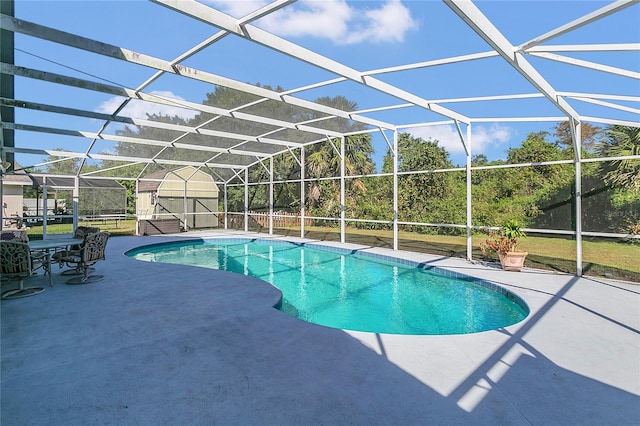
14	235
83	231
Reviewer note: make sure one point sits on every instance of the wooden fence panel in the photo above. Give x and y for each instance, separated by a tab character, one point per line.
280	219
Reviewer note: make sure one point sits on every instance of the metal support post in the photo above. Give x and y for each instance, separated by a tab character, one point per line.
577	134
185	207
469	198
395	189
302	191
342	190
271	196
246	200
76	200
44	208
136	208
226	207
7	86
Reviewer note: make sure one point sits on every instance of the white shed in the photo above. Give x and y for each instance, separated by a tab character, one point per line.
187	194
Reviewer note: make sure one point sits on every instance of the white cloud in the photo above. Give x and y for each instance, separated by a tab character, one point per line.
483	138
237	8
488	138
331	19
324	19
140	109
389	23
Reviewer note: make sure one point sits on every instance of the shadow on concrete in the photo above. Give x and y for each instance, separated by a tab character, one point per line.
169	344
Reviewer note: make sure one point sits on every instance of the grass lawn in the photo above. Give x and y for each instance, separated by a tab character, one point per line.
122	227
602	257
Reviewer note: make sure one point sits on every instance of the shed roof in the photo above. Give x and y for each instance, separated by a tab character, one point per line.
152	185
152	181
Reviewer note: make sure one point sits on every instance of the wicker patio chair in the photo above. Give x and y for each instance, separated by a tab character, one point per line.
91	252
16	262
74	250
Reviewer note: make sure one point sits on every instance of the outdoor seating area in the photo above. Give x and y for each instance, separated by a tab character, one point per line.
21	259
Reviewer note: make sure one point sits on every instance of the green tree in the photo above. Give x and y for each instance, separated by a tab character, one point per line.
433	197
621	141
322	160
522	193
130	186
58	166
479	160
532	187
622	178
531	180
376	203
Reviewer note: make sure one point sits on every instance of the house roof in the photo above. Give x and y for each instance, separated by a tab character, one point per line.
18	177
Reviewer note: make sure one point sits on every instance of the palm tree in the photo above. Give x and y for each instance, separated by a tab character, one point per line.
323	161
621	141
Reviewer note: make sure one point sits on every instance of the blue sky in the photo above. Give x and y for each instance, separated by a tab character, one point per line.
362	35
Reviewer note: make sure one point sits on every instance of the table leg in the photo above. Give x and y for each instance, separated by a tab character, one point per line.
47	267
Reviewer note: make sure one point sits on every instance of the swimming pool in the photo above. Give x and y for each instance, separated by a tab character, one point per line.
351	290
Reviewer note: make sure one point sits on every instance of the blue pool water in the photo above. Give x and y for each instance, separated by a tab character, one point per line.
341	289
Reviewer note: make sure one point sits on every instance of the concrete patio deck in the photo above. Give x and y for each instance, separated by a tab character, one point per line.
168	344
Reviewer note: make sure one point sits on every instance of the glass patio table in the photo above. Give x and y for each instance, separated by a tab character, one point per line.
49	245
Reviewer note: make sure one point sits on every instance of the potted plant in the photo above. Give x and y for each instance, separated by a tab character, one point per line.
504	243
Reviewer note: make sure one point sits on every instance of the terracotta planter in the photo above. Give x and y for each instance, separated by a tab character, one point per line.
513	260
